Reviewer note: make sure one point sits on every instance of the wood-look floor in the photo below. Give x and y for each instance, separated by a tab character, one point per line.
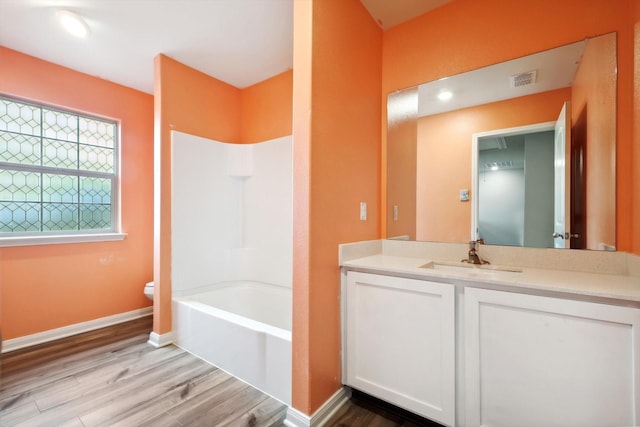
113	377
365	411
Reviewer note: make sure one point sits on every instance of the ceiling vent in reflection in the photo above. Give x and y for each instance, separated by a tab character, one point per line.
523	79
492	143
494	166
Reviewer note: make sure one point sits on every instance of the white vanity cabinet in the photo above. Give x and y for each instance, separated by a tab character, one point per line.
540	361
400	342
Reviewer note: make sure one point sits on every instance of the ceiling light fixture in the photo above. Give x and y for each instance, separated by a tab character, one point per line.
445	95
73	23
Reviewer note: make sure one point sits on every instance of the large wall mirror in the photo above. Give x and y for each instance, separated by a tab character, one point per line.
520	153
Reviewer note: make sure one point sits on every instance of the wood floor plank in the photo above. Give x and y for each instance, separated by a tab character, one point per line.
127	365
56	393
194	408
105	394
46	388
180	382
363	410
29	372
74	422
10	400
163	419
353	416
172	398
228	410
18	413
269	412
50	374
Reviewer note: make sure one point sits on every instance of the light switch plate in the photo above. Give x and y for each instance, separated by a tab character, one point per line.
363	211
464	195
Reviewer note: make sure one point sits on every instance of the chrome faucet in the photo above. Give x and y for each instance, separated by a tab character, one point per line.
473	257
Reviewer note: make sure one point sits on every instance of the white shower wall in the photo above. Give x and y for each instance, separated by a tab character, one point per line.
232	212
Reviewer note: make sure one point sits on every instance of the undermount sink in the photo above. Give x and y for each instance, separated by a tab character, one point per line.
466	268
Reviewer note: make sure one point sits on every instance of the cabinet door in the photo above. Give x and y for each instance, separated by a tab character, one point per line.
400	344
538	361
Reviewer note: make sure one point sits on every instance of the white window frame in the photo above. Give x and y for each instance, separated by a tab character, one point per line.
70	236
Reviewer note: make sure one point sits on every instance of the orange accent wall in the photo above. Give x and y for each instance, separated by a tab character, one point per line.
301	293
50	286
635	232
266	109
189	101
336	109
449	40
444	158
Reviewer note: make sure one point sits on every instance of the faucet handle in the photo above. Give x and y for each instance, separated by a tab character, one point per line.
472	244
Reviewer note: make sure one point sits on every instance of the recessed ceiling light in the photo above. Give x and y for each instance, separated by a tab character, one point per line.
73	23
445	95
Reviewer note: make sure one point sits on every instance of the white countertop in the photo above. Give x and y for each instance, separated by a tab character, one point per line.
622	288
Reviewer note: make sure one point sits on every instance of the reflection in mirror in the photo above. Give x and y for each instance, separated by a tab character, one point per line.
514	204
401	127
457	141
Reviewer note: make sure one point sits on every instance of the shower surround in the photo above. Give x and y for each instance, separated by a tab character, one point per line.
232	231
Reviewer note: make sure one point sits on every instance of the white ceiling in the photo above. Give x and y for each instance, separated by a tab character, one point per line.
389	13
241	42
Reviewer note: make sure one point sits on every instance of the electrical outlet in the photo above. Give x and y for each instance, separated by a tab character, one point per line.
363	211
464	195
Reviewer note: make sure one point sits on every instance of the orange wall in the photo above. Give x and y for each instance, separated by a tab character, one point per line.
51	286
188	101
336	131
594	97
266	109
444	158
301	295
449	41
635	21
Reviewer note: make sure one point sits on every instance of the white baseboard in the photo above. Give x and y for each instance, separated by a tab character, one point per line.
296	418
75	329
158	340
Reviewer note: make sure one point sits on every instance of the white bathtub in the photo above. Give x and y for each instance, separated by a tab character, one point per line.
243	328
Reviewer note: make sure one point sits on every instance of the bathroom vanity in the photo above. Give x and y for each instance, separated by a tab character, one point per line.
539	337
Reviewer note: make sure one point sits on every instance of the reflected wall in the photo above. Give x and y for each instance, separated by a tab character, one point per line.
401	163
593	118
444	158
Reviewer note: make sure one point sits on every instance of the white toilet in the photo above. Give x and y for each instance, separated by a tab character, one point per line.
148	290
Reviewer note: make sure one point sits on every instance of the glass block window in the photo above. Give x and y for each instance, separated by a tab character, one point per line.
58	171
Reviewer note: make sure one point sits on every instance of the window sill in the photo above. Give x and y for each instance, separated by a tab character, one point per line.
60	239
